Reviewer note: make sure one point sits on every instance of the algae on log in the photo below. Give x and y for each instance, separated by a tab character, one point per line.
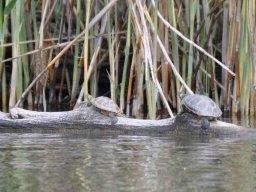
87	120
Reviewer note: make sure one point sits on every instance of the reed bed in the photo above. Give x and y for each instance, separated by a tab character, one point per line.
142	54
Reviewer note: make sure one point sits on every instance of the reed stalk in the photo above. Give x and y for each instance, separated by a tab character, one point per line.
244	58
150	86
175	52
112	75
126	60
98	44
224	41
191	21
93	54
86	47
252	40
164	64
118	48
140	93
76	66
23	50
129	90
1	36
16	76
2	56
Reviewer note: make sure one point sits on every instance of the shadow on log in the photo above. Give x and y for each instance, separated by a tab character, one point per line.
87	120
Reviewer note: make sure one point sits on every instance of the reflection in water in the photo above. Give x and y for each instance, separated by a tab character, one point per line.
40	162
243	120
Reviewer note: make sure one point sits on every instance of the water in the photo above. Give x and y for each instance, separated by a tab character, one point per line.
52	162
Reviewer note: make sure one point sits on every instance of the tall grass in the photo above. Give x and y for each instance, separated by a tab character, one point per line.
142	54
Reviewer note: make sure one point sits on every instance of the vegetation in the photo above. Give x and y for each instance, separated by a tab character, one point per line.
140	53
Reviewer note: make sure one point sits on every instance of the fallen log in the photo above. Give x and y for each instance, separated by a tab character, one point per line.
87	120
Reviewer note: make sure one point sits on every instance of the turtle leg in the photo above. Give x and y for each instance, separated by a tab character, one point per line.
113	118
205	123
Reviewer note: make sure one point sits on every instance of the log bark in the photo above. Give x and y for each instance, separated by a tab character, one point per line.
87	120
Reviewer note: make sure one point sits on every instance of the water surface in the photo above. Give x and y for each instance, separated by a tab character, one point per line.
52	162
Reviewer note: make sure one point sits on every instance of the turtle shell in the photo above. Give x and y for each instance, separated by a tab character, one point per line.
105	104
201	105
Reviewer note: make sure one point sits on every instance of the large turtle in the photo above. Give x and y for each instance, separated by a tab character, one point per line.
107	107
201	106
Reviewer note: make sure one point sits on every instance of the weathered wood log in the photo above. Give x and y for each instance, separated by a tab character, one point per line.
87	120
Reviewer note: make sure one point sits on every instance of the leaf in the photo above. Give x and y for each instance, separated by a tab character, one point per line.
9	7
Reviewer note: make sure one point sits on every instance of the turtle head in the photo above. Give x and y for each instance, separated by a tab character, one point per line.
205	124
182	95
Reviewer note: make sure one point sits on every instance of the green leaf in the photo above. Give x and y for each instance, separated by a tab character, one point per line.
9	7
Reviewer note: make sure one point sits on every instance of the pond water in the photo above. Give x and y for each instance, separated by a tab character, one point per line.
52	162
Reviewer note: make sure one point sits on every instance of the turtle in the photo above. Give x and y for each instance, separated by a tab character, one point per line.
201	106
107	107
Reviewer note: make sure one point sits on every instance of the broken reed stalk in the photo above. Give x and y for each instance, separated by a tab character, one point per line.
56	58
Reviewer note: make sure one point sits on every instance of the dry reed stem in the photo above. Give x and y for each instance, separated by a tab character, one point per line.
148	56
176	73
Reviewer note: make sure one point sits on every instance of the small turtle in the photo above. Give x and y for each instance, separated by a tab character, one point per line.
107	107
201	106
